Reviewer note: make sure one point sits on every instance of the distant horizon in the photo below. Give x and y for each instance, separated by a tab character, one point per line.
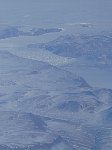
55	11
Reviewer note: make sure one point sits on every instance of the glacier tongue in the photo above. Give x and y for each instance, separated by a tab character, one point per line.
41	55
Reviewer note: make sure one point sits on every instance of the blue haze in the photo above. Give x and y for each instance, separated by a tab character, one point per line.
55	75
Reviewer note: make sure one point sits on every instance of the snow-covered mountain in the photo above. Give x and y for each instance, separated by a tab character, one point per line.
55	75
97	48
16	31
41	105
89	54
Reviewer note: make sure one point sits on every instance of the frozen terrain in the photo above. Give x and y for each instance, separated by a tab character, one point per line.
55	75
31	88
89	52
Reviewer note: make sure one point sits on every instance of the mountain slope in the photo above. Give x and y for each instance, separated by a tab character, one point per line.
44	105
89	47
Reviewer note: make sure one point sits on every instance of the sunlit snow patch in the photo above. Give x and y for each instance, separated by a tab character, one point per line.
42	55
